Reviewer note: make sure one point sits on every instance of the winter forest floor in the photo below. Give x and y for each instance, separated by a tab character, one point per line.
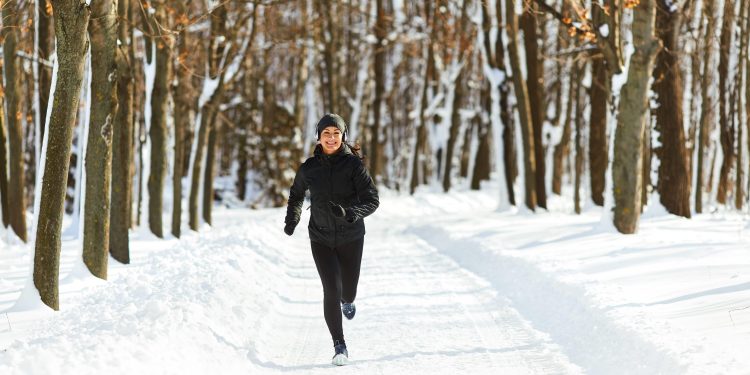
448	286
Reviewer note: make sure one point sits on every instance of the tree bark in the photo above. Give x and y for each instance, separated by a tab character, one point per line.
578	142
13	72
46	29
631	121
598	150
725	125
535	85
103	35
482	163
158	129
708	13
71	21
381	31
522	97
122	139
458	95
3	160
417	174
674	180
561	150
184	100
208	186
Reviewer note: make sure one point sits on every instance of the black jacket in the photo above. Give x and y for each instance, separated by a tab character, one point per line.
340	178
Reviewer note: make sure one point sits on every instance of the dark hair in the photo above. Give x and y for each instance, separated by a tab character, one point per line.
355	150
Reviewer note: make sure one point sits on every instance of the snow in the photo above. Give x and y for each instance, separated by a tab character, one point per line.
448	285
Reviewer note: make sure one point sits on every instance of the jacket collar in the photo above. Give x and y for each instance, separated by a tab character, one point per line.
343	150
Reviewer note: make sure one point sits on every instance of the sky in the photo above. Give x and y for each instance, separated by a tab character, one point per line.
449	284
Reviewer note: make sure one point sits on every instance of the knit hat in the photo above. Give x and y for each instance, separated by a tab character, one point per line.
331	119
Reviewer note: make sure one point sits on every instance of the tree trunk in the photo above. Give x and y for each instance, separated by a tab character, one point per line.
535	85
598	150
482	164
46	29
708	13
103	36
207	112
522	97
122	139
158	129
417	173
578	141
71	20
746	36
184	100
328	33
561	150
674	180
3	160
208	179
510	154
13	71
455	122
628	161
381	31
727	131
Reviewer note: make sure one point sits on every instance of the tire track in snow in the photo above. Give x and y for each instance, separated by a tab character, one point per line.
586	334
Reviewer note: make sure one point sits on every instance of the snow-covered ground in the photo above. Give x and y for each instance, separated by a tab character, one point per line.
448	286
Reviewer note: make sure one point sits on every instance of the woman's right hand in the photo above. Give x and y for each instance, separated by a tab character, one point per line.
289	229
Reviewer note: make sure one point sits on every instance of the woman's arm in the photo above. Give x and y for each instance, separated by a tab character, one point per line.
296	198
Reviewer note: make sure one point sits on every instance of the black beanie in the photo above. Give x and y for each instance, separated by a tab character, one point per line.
331	119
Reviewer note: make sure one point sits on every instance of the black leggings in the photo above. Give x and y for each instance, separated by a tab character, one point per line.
338	268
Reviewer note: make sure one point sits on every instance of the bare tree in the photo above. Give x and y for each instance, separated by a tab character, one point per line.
674	180
522	98
103	35
122	138
708	14
12	70
158	129
535	86
631	121
71	21
725	123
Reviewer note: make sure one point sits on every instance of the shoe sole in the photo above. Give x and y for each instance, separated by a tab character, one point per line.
339	360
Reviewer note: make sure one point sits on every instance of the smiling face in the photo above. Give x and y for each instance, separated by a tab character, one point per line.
330	139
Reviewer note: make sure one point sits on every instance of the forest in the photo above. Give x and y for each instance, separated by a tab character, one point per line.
126	113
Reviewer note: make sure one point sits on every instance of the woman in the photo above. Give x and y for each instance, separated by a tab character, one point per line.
341	195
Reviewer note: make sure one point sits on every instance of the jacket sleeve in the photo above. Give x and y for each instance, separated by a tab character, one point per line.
296	198
367	193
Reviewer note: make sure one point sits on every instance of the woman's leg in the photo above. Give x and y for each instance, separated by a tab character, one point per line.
327	263
350	260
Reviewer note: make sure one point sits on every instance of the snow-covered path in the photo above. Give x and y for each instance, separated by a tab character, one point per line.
417	311
447	286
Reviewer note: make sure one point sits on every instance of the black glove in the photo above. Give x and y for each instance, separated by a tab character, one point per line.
289	228
337	210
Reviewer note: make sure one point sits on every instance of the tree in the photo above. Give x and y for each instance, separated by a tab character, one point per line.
535	87
103	35
631	120
379	51
3	161
725	122
45	47
122	138
674	180
705	118
71	21
12	70
184	99
524	111
158	130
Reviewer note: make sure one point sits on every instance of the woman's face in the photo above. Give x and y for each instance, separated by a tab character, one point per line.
330	139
